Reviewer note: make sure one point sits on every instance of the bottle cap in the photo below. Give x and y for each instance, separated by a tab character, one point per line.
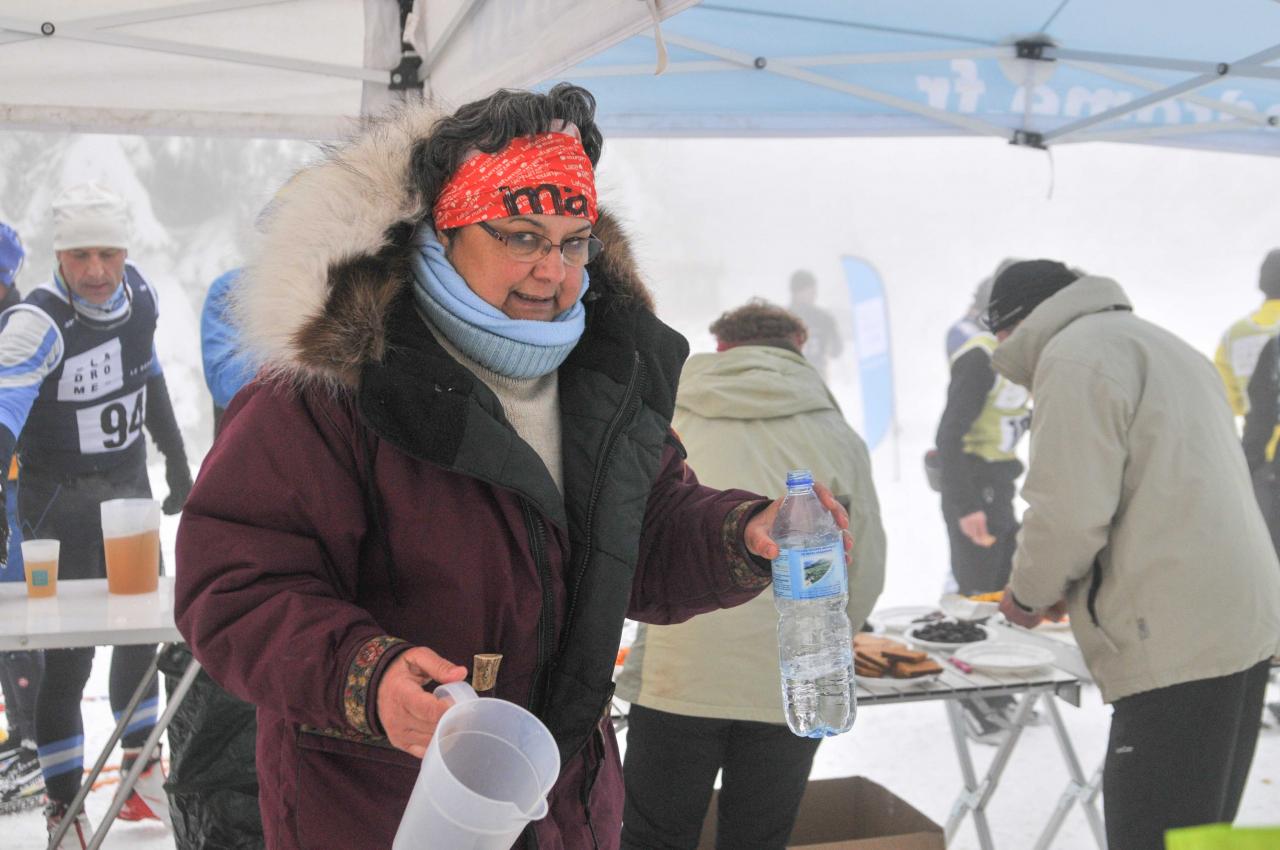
799	478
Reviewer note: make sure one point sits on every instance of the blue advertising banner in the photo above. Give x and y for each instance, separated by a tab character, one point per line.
875	353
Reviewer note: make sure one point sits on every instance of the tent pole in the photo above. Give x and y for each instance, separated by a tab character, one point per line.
75	32
1252	66
1221	71
783	69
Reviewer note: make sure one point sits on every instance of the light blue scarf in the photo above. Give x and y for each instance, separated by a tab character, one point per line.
516	348
114	308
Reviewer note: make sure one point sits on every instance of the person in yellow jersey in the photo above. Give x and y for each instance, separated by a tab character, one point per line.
1241	345
985	417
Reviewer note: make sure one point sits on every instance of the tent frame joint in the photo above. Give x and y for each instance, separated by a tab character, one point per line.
1028	139
1033	48
406	76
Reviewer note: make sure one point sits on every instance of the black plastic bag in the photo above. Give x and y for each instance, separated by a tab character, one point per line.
213	781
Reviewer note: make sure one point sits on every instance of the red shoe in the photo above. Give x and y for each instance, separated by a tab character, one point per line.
147	800
135	808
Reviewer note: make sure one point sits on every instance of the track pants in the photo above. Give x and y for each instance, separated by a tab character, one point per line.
68	510
670	769
1179	756
983	569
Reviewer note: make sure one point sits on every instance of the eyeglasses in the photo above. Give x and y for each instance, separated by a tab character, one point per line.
530	247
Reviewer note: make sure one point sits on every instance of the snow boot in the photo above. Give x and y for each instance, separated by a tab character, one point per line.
147	800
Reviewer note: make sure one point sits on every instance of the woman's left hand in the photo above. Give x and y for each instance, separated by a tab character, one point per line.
756	534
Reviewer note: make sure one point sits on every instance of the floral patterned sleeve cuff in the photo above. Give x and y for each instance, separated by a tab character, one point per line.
749	572
357	699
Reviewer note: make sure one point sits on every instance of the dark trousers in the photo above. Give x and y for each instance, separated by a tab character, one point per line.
68	510
670	770
1179	756
20	674
984	569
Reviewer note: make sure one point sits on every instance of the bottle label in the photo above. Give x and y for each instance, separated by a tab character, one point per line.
813	573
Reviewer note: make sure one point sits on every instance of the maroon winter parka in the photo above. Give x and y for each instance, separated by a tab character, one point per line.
367	495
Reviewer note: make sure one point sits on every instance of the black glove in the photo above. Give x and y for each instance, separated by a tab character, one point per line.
164	430
178	476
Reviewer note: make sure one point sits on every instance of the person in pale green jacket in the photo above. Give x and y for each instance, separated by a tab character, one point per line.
706	694
1141	523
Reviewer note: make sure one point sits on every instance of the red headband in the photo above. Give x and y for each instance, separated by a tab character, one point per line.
548	173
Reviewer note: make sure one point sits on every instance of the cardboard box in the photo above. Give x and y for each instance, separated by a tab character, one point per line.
853	813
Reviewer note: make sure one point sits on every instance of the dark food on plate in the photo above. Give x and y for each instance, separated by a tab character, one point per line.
949	632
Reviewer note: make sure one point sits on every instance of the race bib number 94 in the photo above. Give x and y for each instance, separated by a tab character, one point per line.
112	426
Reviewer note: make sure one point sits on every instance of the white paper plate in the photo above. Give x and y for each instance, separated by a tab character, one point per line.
943	646
959	607
899	619
1004	657
887	683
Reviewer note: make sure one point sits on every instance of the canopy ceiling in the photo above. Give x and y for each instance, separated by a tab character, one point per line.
1035	72
293	68
1181	72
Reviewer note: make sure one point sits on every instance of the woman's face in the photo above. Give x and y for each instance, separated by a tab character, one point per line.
522	289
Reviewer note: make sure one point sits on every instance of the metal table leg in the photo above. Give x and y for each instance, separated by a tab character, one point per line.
1078	790
127	782
77	802
976	795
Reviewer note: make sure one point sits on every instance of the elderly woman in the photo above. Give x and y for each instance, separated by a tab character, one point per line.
459	444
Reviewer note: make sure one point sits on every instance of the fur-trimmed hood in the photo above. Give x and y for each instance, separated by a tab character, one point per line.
334	252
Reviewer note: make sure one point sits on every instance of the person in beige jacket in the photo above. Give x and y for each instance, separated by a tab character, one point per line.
1142	525
706	694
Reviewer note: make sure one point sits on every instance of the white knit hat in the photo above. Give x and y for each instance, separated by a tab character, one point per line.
90	216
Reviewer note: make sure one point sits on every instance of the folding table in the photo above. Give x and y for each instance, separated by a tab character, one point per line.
83	614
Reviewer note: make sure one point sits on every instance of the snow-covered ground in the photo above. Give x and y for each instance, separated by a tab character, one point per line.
716	222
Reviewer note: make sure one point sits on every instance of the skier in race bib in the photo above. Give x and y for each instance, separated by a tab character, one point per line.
985	417
1238	351
79	380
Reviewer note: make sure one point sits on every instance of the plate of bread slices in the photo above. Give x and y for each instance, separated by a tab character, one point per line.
882	663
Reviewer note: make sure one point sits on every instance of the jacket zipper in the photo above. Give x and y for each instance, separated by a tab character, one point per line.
598	738
597	482
537	545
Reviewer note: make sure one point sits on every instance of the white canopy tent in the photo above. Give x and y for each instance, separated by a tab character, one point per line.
1036	72
282	68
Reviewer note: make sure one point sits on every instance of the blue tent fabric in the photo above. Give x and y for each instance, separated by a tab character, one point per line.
1175	72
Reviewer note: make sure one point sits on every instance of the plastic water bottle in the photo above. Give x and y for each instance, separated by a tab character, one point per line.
810	589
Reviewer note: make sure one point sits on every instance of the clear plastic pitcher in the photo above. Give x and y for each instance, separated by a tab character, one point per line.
486	775
131	541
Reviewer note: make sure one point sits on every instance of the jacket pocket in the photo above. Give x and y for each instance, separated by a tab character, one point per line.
350	793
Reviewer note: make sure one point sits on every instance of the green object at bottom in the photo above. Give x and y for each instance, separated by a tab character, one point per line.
1221	836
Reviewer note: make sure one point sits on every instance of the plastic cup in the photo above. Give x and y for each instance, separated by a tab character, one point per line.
40	563
485	776
131	539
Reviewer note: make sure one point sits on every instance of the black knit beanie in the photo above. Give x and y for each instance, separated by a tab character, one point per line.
1021	287
1269	275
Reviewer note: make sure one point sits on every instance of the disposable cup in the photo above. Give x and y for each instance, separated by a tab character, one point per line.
131	540
40	564
486	775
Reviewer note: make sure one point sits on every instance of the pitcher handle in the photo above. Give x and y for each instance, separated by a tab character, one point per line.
458	692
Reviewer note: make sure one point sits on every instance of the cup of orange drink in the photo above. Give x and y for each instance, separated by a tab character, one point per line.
40	563
131	541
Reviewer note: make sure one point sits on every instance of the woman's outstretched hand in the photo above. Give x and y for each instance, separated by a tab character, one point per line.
409	714
760	544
